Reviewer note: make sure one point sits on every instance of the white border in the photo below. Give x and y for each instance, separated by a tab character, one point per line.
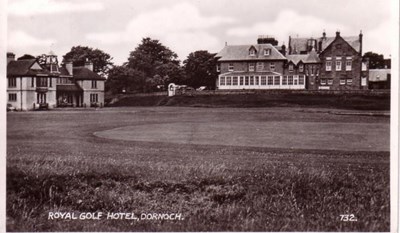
3	121
394	119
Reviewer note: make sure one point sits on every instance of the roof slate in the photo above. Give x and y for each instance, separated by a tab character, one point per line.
312	57
300	44
82	73
241	52
23	68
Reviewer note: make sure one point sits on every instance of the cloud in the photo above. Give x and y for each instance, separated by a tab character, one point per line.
288	22
181	27
22	40
379	39
36	7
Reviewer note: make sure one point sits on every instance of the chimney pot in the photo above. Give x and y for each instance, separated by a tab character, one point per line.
70	68
10	57
89	64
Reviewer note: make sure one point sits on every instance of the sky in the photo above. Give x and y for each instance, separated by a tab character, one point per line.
117	26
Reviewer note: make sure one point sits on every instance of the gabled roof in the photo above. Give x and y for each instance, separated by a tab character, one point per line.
23	68
300	44
376	75
353	41
312	57
241	52
82	73
296	58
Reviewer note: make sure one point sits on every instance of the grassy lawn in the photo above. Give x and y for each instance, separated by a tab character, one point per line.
55	162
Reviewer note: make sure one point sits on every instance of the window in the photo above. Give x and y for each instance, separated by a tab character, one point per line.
301	68
252	52
330	81
291	68
301	80
364	81
284	80
234	81
277	80
228	81
257	80
41	82
218	67
348	65
349	81
94	84
323	81
12	82
251	66
328	65
312	71
12	97
94	98
251	80
272	66
246	81
270	80
230	67
263	80
295	80
260	66
51	82
32	82
222	81
41	98
363	66
342	81
267	52
241	80
338	65
290	80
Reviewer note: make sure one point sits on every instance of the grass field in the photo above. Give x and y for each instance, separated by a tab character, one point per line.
134	160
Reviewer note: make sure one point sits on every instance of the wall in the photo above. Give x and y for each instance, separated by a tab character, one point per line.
244	66
340	48
86	85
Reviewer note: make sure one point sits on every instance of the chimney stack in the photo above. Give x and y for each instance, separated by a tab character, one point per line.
324	35
284	49
10	57
89	64
360	38
337	33
70	68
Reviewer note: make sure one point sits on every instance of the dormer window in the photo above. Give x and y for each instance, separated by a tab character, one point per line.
301	68
291	68
267	52
252	51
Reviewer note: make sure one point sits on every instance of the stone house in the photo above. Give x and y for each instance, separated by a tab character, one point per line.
35	86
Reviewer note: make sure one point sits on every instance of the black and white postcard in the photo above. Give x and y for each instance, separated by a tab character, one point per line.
189	115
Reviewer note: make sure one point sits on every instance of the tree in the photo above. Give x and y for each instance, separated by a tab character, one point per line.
200	69
376	61
26	57
157	62
123	78
79	54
